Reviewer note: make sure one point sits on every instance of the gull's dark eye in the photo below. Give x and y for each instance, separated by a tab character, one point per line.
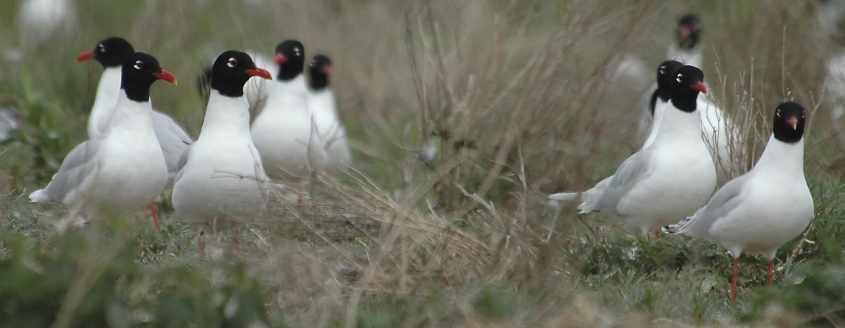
138	65
779	113
232	62
101	48
297	52
679	78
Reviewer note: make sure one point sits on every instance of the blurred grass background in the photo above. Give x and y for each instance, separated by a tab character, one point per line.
467	241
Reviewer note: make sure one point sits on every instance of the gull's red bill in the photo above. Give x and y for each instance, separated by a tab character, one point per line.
700	87
792	121
85	56
166	76
259	72
280	59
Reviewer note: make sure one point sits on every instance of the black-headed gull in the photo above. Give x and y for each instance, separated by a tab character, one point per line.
687	35
321	102
657	104
283	129
685	50
761	210
223	176
720	133
123	168
659	99
673	175
111	53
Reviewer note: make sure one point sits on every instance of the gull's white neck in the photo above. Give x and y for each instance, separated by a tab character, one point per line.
225	115
677	124
690	57
324	99
108	91
781	156
296	84
131	115
660	107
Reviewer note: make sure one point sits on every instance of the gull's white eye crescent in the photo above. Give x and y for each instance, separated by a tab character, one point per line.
679	78
101	48
138	65
232	62
779	113
296	51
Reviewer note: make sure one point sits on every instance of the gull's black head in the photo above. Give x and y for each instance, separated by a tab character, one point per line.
230	72
687	82
665	75
290	55
139	72
319	72
110	52
789	122
689	31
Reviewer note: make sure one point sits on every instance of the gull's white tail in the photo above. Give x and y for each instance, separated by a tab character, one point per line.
39	196
589	198
564	196
678	228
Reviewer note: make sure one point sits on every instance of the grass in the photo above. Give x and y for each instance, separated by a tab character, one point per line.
467	241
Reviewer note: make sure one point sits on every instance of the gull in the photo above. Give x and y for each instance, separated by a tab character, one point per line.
123	168
667	179
759	211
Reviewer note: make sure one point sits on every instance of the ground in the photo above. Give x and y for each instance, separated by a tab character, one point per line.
467	240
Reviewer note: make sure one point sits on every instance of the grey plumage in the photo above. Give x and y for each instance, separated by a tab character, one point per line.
723	202
77	167
173	139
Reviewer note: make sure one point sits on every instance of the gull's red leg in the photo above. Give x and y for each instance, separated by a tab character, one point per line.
734	278
154	214
201	243
771	281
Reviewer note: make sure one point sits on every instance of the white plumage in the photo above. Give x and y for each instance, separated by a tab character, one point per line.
296	128
761	210
283	132
330	131
671	175
121	169
223	175
173	139
722	136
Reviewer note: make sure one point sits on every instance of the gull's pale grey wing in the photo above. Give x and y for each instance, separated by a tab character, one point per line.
173	139
79	165
633	170
723	202
183	161
256	89
647	102
590	198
